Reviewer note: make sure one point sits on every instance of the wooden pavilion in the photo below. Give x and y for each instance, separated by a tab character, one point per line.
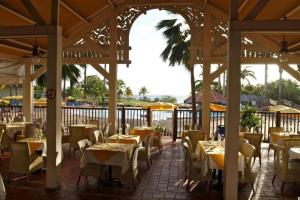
96	32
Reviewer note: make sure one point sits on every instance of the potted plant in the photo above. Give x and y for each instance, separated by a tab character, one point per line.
248	119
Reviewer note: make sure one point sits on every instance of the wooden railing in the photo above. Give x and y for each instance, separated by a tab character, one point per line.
174	121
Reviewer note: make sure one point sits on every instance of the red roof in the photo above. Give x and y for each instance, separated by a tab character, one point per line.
215	97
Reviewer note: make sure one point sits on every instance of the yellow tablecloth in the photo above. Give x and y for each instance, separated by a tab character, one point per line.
143	131
212	156
84	125
108	154
278	137
126	139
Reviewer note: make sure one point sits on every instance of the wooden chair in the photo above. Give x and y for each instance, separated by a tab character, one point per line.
29	130
286	170
195	136
90	168
193	168
248	152
76	134
145	152
22	161
255	139
271	131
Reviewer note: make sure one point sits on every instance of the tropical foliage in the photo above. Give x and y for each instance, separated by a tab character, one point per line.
248	118
177	51
95	89
143	92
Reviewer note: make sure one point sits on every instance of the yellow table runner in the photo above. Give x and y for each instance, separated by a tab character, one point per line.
143	132
126	139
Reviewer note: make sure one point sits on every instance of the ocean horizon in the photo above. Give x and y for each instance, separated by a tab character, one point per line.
179	98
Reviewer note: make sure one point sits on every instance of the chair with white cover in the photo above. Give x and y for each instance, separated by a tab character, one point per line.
2	189
22	161
248	152
133	170
96	137
64	134
242	141
90	168
193	168
189	143
195	136
286	170
5	140
106	132
271	131
145	152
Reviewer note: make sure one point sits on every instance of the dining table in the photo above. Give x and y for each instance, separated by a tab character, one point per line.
125	139
294	153
111	154
13	128
143	131
36	144
212	154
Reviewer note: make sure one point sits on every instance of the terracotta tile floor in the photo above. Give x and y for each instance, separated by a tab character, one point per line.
164	180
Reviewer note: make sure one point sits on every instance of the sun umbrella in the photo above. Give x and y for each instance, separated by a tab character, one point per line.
283	109
160	106
216	107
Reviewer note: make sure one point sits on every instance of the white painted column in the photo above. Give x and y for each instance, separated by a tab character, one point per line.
112	103
53	131
28	93
233	109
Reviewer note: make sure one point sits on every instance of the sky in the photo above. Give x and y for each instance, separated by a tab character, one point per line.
147	68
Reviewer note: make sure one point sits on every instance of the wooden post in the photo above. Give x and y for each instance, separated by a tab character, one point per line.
149	116
53	131
200	119
233	108
278	119
27	93
175	125
123	120
112	104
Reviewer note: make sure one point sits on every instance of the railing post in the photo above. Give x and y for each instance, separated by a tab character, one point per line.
123	120
149	116
278	119
200	119
175	124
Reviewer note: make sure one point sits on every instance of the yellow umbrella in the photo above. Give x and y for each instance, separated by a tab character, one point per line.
216	107
160	106
283	109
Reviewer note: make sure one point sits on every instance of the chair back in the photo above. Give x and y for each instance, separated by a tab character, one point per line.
133	163
274	130
127	129
95	122
29	130
188	158
20	157
188	142
242	141
255	139
106	132
248	151
39	123
5	139
148	145
18	119
83	144
76	134
97	137
195	136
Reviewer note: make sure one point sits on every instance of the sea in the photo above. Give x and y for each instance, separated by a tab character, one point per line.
180	98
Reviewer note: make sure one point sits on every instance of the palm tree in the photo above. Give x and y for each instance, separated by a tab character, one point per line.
121	87
177	52
128	92
69	72
214	85
245	73
143	91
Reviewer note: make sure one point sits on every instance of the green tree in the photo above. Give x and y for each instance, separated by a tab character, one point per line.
214	86
95	89
143	92
128	92
246	74
71	73
290	90
177	52
168	99
121	87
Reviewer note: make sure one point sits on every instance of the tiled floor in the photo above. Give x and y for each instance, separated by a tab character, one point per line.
164	180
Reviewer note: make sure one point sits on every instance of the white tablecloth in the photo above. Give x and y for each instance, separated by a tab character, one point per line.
294	153
11	129
2	189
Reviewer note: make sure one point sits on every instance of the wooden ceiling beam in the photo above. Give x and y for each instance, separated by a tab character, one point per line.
15	48
33	11
24	44
75	13
294	45
111	3
11	11
293	11
257	8
243	5
266	26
